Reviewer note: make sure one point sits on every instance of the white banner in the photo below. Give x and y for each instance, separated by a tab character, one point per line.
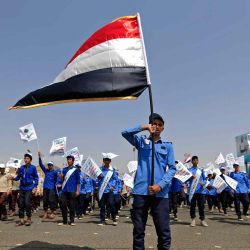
231	182
132	166
74	152
194	184
220	159
219	184
58	146
91	168
241	161
182	172
14	163
28	132
128	180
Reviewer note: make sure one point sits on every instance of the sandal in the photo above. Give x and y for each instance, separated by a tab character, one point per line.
20	223
27	223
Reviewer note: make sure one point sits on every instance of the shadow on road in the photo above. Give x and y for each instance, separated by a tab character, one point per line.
230	221
38	245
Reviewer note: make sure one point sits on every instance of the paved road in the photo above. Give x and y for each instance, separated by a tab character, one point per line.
222	233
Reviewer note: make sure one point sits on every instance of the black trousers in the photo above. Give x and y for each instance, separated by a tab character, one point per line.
117	203
173	200
241	198
198	199
107	200
82	203
25	203
160	212
68	203
226	198
212	200
49	199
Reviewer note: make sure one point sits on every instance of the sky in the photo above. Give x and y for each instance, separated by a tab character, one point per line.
198	55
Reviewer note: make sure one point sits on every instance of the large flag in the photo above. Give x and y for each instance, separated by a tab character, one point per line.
110	65
28	132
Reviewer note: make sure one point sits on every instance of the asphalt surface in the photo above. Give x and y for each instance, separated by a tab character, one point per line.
222	233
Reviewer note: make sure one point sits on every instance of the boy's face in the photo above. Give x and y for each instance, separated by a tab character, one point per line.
27	160
50	167
70	161
195	162
159	126
106	161
237	168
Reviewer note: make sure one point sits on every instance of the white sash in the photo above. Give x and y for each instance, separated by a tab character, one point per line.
231	182
66	178
194	184
105	182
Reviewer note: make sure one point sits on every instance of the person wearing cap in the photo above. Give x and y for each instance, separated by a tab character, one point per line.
226	196
199	196
107	200
147	196
5	191
212	198
70	190
27	174
49	188
241	193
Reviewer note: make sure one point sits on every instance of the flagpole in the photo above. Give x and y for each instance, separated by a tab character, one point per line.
150	96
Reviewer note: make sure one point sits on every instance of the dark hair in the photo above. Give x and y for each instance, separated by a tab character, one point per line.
28	155
195	158
155	116
71	157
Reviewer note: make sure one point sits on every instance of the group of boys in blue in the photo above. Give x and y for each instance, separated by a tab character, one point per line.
73	195
205	191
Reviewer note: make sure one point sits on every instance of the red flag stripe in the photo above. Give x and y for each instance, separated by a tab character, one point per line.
124	27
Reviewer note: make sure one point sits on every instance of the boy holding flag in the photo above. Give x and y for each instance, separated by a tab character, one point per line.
146	195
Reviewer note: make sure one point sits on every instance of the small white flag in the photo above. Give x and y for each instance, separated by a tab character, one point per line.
28	132
240	161
132	166
128	180
230	159
14	163
74	152
58	146
220	159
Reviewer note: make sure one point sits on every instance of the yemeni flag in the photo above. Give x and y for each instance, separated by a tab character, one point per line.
110	65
